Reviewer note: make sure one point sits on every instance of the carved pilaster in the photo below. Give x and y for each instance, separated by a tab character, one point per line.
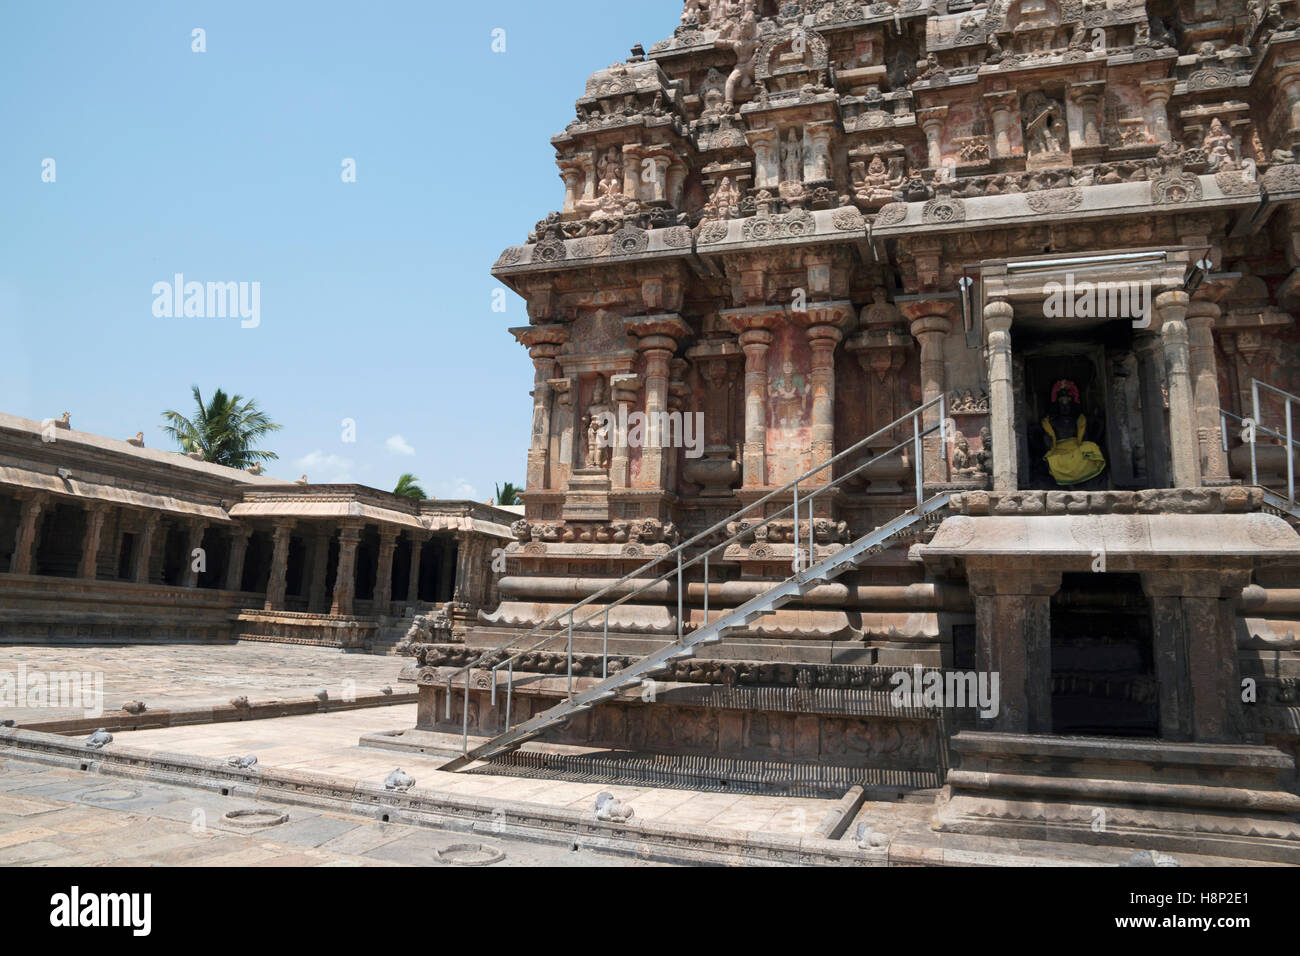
997	325
544	343
658	337
1184	449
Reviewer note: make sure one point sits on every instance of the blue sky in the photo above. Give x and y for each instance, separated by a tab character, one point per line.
376	301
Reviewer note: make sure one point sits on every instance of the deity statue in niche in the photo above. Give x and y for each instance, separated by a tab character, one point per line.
792	160
1067	441
874	183
596	425
610	170
789	392
1220	152
1045	128
985	455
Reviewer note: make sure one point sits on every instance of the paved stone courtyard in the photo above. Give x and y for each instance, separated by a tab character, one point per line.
198	675
327	744
55	817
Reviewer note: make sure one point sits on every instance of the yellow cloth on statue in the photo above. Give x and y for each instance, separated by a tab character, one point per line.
1073	460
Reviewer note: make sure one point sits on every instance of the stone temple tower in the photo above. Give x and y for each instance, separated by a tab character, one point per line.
983	312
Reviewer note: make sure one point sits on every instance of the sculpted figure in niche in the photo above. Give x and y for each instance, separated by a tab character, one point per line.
596	423
875	183
985	455
964	464
1045	128
1070	456
610	169
789	392
725	201
1219	147
792	160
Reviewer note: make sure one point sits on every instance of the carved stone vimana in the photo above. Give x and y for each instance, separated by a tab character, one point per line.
799	221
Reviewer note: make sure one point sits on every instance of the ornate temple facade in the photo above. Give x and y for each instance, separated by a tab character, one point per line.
104	540
1069	233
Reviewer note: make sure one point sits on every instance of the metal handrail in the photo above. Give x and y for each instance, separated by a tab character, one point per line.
916	440
1254	425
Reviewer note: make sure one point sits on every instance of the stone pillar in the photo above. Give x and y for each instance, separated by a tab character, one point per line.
817	156
623	389
661	159
544	344
657	337
466	566
931	120
1087	96
1195	651
1013	633
193	542
144	549
571	173
1157	93
446	569
1201	315
1002	107
345	577
320	559
384	570
1184	450
1289	80
754	343
417	538
589	177
930	324
824	324
88	566
278	581
1002	399
632	171
238	550
29	522
767	158
1155	437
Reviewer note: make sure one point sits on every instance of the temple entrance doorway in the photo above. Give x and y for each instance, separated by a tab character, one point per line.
1103	669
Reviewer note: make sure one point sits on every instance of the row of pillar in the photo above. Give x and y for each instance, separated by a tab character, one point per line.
33	506
1184	343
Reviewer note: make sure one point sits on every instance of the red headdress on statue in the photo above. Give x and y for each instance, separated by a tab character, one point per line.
1065	385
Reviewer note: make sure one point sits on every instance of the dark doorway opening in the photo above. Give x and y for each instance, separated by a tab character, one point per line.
1103	673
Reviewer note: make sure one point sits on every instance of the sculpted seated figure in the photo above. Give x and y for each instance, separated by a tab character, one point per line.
873	183
964	462
1071	457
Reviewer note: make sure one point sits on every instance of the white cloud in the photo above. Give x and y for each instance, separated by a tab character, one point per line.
326	469
399	446
456	489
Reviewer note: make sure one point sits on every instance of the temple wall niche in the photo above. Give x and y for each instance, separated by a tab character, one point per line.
789	406
964	122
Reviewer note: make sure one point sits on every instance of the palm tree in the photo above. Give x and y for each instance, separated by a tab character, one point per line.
224	430
508	494
407	487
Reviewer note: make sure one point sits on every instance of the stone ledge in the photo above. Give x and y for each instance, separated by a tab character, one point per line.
222	713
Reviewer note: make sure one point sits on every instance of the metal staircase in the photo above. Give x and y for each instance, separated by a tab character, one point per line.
1283	505
811	566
